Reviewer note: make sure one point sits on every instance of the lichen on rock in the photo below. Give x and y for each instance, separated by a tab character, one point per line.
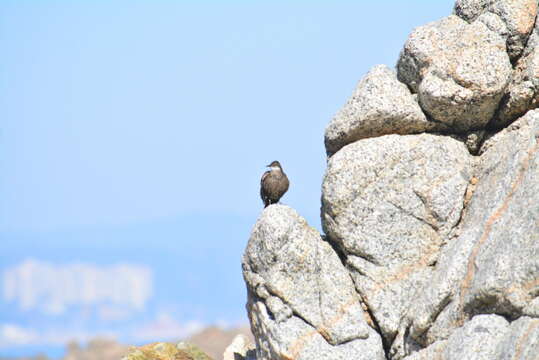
166	351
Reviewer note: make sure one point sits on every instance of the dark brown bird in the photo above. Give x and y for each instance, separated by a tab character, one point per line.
274	184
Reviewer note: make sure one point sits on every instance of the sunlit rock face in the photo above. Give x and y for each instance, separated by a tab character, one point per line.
458	70
302	301
429	208
380	105
390	204
512	19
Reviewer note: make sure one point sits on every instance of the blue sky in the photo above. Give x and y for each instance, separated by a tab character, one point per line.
134	134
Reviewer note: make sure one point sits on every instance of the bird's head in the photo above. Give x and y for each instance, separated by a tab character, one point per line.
275	165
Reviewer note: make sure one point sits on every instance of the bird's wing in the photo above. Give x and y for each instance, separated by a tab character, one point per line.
264	175
262	192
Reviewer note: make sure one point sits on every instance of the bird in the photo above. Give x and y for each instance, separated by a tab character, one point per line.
274	184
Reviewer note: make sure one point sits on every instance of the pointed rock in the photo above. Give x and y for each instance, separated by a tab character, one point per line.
301	301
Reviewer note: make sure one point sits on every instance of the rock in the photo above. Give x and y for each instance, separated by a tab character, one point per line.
431	213
390	203
214	340
380	105
469	10
522	342
487	337
522	93
493	266
517	16
474	141
301	300
166	351
494	23
476	340
240	349
458	70
434	351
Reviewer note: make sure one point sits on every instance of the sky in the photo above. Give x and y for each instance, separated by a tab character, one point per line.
133	135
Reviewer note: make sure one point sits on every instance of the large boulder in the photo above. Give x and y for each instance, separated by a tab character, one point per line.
430	252
458	70
522	93
516	17
301	301
380	105
493	266
389	204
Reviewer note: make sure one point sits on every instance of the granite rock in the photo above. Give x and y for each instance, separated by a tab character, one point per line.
522	93
493	265
458	70
430	208
478	339
389	204
522	341
380	105
517	17
301	300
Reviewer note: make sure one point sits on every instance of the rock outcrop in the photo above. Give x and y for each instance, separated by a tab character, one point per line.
458	70
522	93
512	19
430	208
166	351
302	302
380	105
493	265
390	203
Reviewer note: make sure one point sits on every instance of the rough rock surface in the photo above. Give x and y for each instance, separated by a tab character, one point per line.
522	341
213	340
433	238
476	340
522	93
493	266
516	18
487	337
458	70
380	105
390	203
302	303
